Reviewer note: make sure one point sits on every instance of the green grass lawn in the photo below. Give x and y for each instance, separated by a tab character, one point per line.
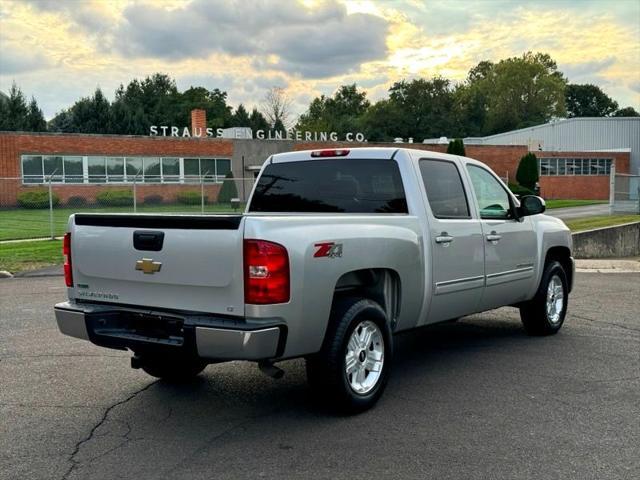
21	256
588	223
572	203
21	223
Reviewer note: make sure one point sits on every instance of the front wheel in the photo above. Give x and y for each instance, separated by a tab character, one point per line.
544	314
352	369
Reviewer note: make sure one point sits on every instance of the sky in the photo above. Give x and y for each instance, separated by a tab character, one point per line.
61	50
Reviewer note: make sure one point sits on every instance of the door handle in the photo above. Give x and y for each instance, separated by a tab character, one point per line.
493	237
444	238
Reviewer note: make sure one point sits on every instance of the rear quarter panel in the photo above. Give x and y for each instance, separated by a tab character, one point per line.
368	241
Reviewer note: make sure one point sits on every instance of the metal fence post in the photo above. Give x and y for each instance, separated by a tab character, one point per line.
135	201
612	188
51	232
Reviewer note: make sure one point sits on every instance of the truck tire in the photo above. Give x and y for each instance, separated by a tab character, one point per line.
174	369
544	314
352	369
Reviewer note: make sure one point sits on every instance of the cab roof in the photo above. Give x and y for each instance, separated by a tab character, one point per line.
369	153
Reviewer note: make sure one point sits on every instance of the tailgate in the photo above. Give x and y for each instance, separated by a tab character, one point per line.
164	261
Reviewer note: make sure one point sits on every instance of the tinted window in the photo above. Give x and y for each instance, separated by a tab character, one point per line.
444	188
345	185
493	200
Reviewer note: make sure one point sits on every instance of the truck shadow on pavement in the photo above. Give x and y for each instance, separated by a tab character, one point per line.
183	429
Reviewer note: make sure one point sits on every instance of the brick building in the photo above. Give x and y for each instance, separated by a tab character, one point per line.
83	164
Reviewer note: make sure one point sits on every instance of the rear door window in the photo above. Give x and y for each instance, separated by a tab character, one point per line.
331	186
445	191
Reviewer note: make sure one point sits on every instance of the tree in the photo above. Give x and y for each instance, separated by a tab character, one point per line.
61	122
456	147
241	117
214	102
35	121
514	93
257	121
339	113
588	101
279	127
527	174
379	121
276	105
14	110
16	114
88	115
228	189
425	106
627	112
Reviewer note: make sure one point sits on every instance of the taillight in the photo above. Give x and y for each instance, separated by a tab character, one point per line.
66	252
266	272
341	152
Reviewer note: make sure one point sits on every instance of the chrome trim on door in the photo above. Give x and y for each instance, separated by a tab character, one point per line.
509	275
459	284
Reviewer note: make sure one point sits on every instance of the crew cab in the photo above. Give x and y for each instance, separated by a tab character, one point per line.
337	251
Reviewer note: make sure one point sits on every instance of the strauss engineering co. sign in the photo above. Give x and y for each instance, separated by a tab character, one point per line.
291	134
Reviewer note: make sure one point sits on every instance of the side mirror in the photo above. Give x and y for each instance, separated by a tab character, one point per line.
531	205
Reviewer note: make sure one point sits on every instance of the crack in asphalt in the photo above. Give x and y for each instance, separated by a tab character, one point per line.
90	436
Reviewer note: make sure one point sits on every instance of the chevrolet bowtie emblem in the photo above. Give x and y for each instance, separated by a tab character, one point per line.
147	265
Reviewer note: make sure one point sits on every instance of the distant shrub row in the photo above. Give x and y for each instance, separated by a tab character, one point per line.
37	199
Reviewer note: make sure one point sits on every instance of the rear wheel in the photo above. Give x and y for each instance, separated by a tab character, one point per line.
171	368
352	369
545	313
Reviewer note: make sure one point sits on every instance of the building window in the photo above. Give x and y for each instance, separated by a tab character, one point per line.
210	169
115	170
575	166
32	169
96	168
100	169
170	169
73	170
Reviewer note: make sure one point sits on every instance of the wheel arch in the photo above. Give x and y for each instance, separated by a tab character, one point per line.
562	255
382	285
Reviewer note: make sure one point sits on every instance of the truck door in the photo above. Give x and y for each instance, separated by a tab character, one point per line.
510	243
456	251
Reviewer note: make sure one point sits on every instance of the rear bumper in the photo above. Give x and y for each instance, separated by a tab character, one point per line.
196	334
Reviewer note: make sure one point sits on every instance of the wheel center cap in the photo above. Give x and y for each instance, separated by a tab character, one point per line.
362	356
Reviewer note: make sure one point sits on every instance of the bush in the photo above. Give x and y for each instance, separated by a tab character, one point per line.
115	198
37	199
527	174
153	199
228	190
520	190
77	201
456	147
190	198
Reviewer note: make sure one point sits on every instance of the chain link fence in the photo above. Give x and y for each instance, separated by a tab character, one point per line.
625	193
32	211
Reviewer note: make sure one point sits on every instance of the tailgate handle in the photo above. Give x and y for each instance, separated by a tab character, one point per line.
148	240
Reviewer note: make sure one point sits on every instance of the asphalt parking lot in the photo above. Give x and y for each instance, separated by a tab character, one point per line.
474	399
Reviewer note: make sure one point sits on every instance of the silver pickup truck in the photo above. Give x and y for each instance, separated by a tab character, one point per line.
337	251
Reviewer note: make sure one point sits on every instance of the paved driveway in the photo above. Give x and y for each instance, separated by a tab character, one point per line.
476	399
579	212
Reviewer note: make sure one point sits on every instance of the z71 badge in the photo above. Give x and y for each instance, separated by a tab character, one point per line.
328	249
